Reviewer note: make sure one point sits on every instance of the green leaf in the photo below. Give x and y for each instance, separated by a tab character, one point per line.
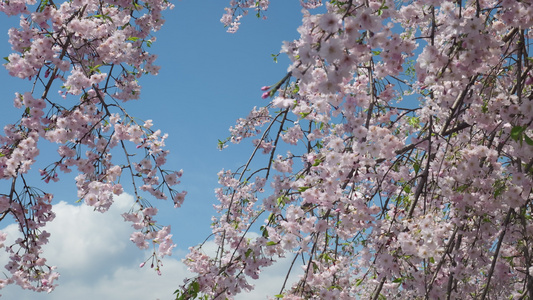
317	162
303	188
95	69
104	17
195	287
529	141
296	89
271	243
516	133
248	252
221	144
358	282
43	5
326	257
264	231
499	187
463	188
303	115
137	6
414	121
416	166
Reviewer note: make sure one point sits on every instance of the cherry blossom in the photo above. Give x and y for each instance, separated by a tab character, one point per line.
93	53
399	158
398	148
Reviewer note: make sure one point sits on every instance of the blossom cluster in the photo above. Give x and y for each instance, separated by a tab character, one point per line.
94	54
400	158
239	8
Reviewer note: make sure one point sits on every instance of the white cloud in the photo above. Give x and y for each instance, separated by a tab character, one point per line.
97	261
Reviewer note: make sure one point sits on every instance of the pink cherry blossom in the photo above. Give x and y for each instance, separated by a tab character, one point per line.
70	46
398	148
411	122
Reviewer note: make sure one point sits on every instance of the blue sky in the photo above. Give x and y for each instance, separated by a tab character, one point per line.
209	78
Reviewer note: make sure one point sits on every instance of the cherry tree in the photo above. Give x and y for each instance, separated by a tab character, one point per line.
394	159
397	158
84	59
